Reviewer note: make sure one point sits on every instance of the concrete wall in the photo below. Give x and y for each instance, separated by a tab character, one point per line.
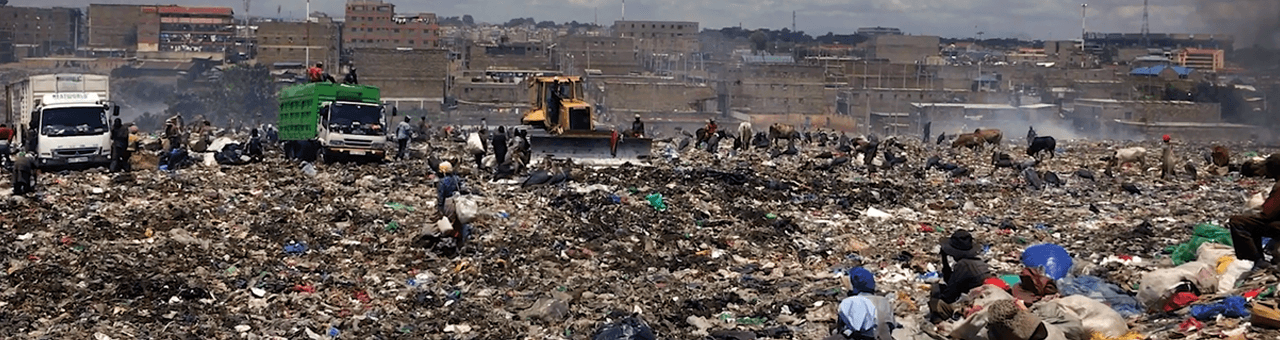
523	56
904	49
610	55
404	73
288	41
651	94
1099	115
114	26
780	96
669	37
492	94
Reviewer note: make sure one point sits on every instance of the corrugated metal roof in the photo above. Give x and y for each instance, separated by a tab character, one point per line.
768	59
1155	70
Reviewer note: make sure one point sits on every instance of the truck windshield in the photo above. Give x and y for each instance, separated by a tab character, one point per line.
73	121
356	119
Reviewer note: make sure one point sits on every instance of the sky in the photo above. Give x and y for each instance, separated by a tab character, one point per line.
1026	19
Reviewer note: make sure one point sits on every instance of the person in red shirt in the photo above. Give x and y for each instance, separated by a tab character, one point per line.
1247	231
6	138
315	74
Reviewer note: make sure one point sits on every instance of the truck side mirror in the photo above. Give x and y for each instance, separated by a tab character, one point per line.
115	111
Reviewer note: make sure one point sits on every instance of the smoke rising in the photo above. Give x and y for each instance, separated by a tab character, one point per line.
1251	22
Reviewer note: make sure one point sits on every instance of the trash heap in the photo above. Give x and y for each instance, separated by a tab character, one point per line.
731	245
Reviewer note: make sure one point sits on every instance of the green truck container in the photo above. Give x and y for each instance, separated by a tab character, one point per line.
324	121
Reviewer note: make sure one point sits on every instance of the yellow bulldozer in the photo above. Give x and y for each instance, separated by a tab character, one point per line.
565	125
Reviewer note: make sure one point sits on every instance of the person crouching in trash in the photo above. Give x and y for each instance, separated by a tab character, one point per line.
864	315
24	174
1247	231
968	272
450	233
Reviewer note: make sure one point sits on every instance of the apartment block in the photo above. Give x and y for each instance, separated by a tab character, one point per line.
375	24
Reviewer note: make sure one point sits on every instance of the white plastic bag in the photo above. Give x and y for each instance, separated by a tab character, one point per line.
1157	286
1094	315
474	144
467	208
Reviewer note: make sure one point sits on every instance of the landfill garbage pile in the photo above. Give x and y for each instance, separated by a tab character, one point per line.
731	245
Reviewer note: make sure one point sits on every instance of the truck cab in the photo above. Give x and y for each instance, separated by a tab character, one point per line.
71	129
351	129
326	121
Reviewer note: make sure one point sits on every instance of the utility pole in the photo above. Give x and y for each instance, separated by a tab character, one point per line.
308	40
793	21
1146	30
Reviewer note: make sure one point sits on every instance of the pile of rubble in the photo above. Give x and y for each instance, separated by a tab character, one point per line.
738	244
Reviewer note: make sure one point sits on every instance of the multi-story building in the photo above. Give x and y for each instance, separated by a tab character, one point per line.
873	31
578	54
191	29
288	42
169	28
1207	60
375	24
6	45
660	37
904	49
43	31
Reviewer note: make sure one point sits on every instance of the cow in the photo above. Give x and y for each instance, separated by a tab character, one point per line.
783	131
967	140
744	131
1042	144
990	136
1128	155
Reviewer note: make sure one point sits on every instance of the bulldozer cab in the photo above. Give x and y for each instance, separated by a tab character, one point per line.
558	105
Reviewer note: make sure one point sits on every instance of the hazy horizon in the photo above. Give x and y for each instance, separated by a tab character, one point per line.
1024	19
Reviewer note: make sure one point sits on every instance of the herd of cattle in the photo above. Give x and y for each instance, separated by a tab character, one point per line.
863	150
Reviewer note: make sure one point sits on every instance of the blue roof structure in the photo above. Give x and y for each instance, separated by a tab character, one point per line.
1155	70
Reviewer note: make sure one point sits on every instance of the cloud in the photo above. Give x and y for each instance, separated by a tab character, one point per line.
1044	19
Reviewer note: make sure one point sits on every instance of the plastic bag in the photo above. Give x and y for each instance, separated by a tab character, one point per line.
1053	258
1095	288
630	328
443	226
655	200
467	208
1094	316
1157	286
474	144
1204	232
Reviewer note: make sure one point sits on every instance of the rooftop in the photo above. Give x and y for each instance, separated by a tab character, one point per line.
1155	70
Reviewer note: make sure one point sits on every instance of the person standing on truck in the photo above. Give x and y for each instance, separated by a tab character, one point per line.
6	138
119	147
637	128
404	132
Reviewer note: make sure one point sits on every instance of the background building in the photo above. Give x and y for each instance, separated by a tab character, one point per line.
609	55
287	42
42	31
375	24
903	49
660	37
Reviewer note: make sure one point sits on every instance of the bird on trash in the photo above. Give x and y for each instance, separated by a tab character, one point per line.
536	178
1191	169
1052	178
837	162
1094	209
1085	173
684	144
1033	178
960	171
824	155
559	176
1131	188
942	137
932	162
845	148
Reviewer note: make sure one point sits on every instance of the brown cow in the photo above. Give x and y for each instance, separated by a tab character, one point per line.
967	140
783	131
990	136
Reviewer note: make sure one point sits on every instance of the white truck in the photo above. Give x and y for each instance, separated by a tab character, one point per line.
63	118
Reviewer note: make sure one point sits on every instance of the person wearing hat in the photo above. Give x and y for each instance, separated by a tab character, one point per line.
637	128
448	186
967	273
864	315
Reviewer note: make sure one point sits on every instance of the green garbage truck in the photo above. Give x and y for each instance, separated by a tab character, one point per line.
326	122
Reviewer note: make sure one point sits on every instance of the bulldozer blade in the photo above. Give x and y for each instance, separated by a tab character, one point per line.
592	148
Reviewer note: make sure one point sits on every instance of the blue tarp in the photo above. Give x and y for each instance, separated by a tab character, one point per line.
1095	288
1055	261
